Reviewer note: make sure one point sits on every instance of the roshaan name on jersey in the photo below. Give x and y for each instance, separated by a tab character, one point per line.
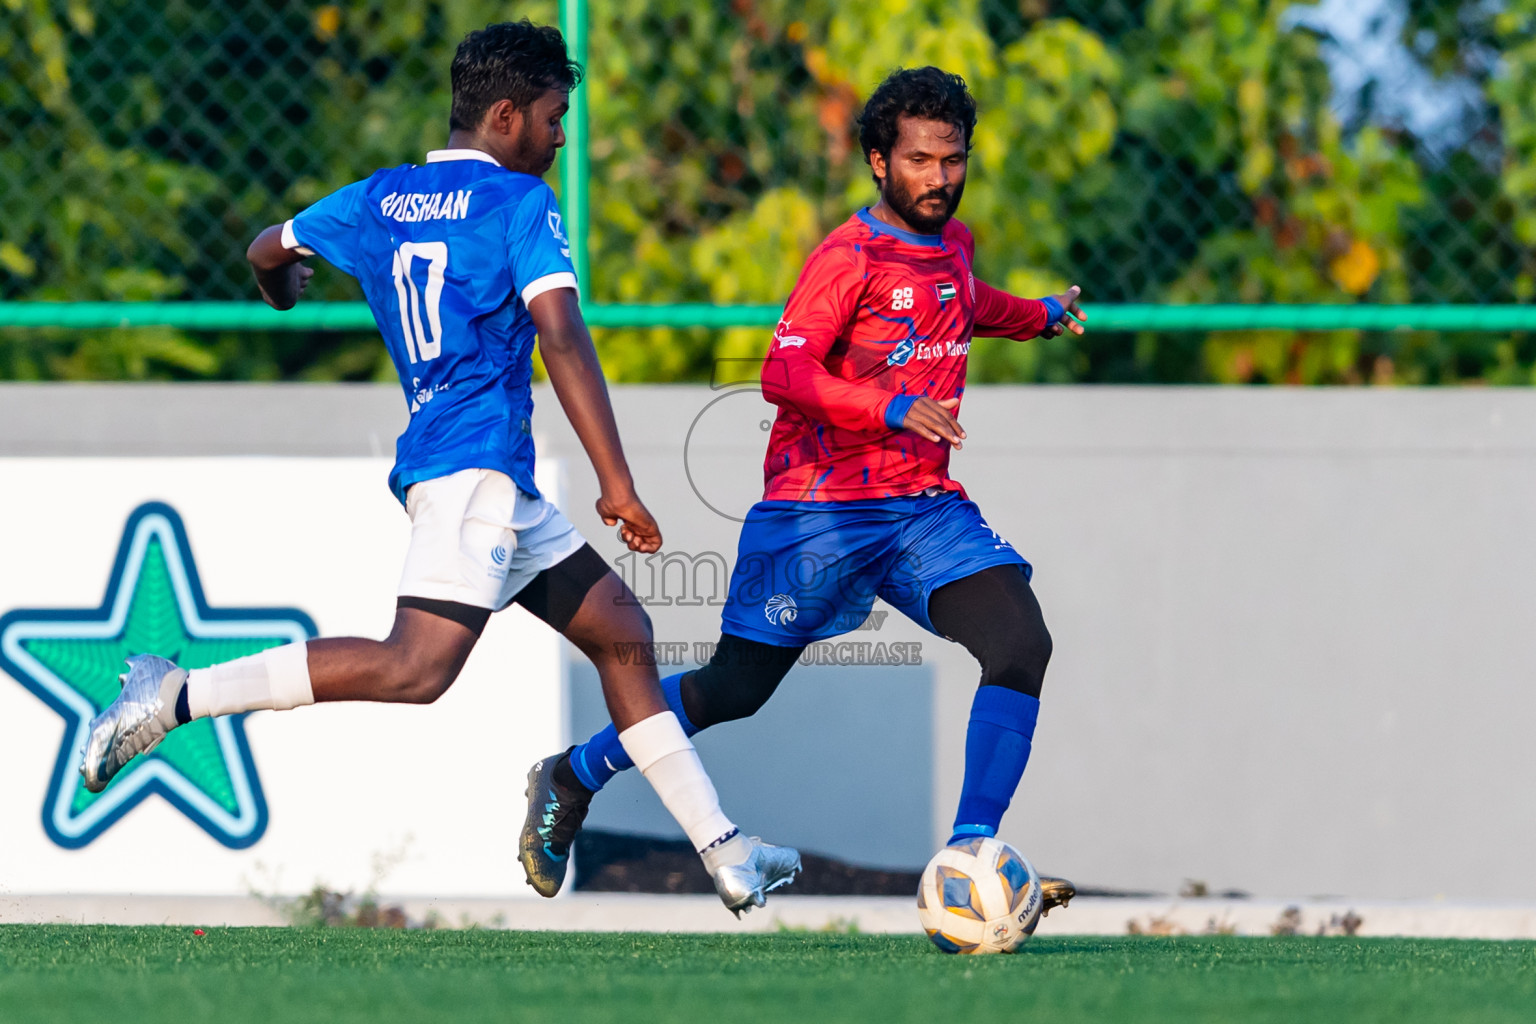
414	206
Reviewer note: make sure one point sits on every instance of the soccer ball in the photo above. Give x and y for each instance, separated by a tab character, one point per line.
979	896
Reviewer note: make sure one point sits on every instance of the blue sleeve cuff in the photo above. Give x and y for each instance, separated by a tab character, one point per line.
1053	310
896	411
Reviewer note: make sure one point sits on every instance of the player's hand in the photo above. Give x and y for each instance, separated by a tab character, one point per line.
933	420
1070	309
281	288
637	527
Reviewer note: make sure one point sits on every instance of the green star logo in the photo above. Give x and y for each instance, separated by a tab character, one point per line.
71	659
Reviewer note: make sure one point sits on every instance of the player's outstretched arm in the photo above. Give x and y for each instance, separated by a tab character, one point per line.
1000	315
280	272
577	377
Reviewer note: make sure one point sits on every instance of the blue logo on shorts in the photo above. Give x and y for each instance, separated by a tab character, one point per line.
499	555
780	609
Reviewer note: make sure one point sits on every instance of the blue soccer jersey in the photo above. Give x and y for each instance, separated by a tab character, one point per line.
449	254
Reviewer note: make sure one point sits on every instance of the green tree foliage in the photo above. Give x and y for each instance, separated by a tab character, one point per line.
143	144
1150	150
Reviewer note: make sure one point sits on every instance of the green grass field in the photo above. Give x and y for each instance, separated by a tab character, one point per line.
338	975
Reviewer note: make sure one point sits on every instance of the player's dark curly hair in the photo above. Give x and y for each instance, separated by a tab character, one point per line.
516	60
929	93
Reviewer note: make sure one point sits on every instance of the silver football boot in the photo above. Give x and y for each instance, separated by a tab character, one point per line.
135	722
746	884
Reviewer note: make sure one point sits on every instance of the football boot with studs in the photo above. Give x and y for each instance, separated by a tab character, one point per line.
746	884
1055	892
135	723
555	814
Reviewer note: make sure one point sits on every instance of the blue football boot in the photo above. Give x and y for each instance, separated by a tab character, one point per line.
555	814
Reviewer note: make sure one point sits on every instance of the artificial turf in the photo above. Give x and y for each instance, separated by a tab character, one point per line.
227	976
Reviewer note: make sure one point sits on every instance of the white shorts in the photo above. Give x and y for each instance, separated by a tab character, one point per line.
477	539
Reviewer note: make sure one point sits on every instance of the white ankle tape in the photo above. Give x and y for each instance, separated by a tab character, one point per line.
288	669
271	680
654	738
670	764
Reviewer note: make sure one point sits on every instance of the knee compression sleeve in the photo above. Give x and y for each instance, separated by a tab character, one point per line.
994	614
738	680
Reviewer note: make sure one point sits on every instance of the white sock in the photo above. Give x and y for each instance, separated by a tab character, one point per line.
276	679
670	764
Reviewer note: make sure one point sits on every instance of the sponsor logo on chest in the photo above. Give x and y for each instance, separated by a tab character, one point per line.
941	349
905	298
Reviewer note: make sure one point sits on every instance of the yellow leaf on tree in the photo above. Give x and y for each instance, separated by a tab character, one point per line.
327	22
13	259
1356	269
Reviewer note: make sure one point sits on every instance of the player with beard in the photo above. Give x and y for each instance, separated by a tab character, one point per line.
867	368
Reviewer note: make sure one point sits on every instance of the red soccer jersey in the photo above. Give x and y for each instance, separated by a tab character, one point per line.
879	317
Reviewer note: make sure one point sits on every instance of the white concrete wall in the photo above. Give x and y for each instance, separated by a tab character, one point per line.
1294	649
1293	642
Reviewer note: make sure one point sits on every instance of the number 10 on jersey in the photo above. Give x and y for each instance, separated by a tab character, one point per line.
436	256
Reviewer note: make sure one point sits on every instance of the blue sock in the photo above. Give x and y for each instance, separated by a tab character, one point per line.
602	757
997	745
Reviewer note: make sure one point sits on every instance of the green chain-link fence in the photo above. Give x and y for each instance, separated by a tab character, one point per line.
1160	153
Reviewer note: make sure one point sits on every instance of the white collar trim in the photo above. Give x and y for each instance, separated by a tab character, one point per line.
437	156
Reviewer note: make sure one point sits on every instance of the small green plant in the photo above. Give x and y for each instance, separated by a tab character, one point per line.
324	907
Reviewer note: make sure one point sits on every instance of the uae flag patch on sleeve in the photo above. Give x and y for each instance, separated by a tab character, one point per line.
946	291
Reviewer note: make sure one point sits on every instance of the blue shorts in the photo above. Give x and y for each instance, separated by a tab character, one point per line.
810	570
